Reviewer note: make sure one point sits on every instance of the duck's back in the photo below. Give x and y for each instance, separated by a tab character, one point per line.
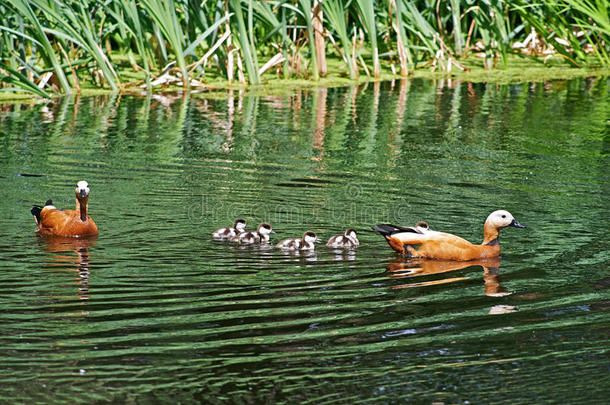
65	223
340	241
292	244
224	233
249	237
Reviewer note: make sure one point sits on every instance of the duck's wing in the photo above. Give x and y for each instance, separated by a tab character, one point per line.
291	243
410	238
389	229
52	219
334	240
37	210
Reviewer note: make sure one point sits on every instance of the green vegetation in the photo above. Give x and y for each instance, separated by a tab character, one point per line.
50	47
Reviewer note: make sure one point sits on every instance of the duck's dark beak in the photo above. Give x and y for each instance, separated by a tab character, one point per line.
82	193
517	224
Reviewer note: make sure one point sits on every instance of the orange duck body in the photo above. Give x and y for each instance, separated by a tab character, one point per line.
421	241
70	223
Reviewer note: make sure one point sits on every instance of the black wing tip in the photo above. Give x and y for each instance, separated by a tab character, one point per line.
36	212
385	229
37	209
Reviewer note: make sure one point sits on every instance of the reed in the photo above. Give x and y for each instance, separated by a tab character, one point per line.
59	46
245	38
307	13
336	13
163	13
366	12
24	11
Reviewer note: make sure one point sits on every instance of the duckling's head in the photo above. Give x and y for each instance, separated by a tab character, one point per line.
501	219
310	237
82	189
265	229
239	224
422	224
350	232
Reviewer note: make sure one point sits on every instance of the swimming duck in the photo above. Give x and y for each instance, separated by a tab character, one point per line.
440	245
304	243
230	232
72	223
261	235
346	241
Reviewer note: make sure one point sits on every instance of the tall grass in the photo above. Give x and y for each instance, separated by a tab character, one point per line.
163	14
37	33
307	13
402	41
366	12
60	46
246	38
336	13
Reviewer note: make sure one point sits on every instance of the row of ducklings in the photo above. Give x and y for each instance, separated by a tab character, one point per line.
238	234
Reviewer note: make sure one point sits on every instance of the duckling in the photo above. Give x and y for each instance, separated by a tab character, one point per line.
261	235
422	226
71	223
229	232
445	246
304	243
348	240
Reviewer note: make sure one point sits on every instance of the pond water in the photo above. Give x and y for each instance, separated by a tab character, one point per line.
154	310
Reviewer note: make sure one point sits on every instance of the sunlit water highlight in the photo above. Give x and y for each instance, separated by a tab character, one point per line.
155	310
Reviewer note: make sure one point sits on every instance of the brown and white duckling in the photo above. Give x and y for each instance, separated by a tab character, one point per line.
304	243
422	226
348	240
261	235
229	232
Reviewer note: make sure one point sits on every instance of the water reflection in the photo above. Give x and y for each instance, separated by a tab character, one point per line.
172	302
300	255
343	254
72	255
405	268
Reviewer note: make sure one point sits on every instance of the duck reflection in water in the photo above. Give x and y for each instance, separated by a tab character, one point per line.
71	254
343	254
401	267
300	255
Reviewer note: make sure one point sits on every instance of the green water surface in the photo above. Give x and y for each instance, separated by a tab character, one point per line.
155	311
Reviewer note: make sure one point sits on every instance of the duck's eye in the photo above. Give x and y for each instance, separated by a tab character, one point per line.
503	216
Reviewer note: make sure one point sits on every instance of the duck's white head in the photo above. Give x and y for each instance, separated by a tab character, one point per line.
501	219
239	224
310	237
82	189
265	229
350	233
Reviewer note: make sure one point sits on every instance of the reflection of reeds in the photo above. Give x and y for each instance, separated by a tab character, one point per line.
49	46
373	134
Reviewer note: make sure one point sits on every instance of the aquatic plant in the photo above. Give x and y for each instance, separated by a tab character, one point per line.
60	46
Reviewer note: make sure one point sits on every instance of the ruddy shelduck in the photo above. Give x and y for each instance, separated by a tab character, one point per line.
71	223
230	232
348	240
304	243
445	246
